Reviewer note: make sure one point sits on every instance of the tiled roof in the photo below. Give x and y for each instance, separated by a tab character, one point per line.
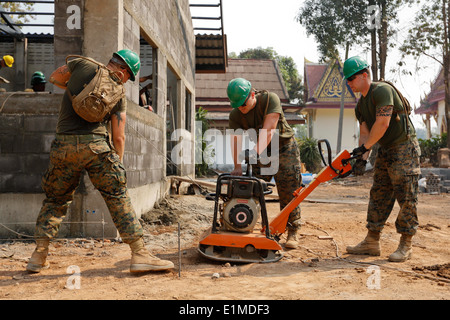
313	74
263	75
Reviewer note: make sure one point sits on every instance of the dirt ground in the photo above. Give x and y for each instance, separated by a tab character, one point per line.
320	269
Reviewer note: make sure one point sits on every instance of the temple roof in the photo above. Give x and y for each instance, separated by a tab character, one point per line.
323	85
429	105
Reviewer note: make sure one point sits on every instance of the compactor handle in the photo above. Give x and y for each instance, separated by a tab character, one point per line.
319	144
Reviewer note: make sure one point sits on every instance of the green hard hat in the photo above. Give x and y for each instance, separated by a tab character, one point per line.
353	65
132	60
238	91
38	77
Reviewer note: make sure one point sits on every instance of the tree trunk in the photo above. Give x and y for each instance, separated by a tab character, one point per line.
341	110
383	39
374	55
446	18
373	36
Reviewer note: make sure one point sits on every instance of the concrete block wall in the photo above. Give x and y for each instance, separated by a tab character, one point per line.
25	140
131	37
167	26
67	40
144	155
27	129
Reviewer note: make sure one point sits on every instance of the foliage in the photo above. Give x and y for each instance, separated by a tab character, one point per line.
338	24
201	148
18	7
300	130
309	154
291	78
426	33
429	148
289	72
258	53
333	23
428	37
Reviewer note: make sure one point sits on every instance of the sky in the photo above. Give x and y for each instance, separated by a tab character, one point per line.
269	23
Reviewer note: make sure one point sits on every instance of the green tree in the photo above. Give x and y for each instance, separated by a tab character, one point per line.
291	78
288	69
201	147
334	24
17	7
429	36
341	24
309	153
259	53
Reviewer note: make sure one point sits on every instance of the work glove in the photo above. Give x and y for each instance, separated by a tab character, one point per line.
358	152
359	167
249	156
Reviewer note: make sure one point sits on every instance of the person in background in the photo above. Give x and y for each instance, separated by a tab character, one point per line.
6	61
38	81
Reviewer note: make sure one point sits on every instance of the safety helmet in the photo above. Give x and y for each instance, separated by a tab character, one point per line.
353	65
9	60
238	91
132	60
38	77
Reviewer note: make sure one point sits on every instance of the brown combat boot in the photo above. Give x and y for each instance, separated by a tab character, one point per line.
142	260
404	249
370	245
38	259
291	241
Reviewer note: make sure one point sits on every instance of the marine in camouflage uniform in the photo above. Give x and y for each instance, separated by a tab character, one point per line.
288	178
396	175
69	156
81	145
285	160
384	120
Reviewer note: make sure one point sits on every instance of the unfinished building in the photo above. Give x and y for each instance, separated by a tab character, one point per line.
162	32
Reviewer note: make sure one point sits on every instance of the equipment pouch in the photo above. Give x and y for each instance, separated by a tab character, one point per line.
99	96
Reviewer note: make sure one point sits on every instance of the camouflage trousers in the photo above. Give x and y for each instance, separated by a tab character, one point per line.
396	176
69	156
288	178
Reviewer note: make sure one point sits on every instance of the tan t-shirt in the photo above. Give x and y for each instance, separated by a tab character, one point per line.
82	72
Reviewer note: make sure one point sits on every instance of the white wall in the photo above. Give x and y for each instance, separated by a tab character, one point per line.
326	126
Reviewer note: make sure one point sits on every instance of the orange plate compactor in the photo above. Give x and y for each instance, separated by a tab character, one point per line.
239	201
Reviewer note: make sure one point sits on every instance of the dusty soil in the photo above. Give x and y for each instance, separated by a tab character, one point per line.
318	269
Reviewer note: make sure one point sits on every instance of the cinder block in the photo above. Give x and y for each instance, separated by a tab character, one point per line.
40	124
132	178
11	124
29	143
6	143
10	163
36	163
